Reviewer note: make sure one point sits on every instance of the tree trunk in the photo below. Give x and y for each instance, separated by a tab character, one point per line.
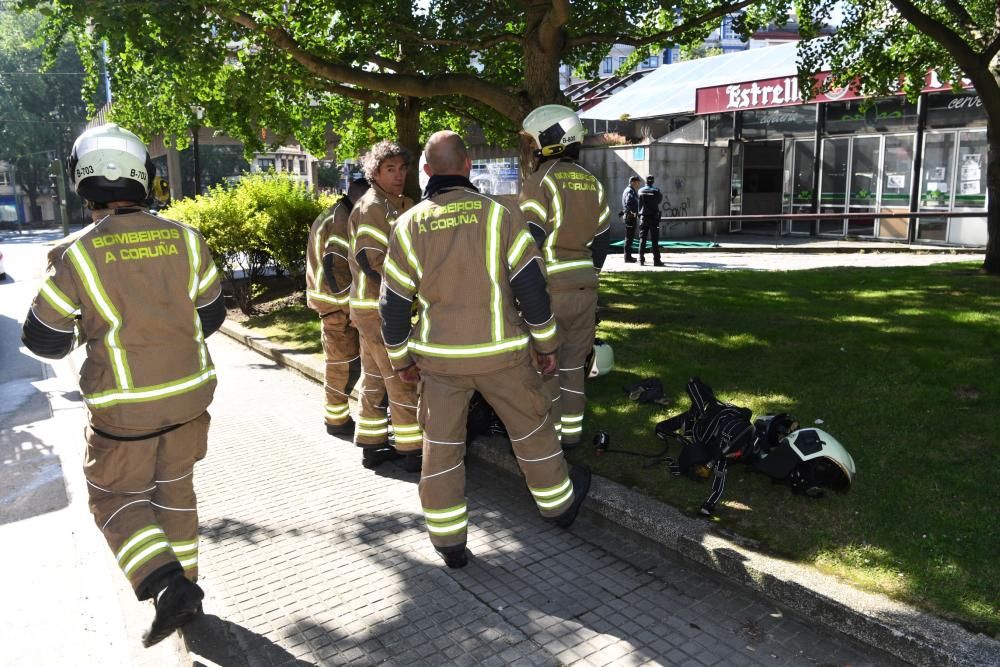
541	50
408	135
992	261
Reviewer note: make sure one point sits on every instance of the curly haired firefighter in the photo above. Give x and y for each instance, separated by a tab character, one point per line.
385	167
328	284
142	293
567	212
466	259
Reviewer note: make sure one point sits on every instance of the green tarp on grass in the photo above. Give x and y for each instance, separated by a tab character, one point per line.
671	244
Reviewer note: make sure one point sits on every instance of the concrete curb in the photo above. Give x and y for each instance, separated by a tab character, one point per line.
875	620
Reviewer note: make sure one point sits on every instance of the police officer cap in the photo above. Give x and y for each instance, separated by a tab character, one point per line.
649	179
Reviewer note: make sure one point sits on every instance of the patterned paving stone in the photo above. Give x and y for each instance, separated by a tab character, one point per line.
308	558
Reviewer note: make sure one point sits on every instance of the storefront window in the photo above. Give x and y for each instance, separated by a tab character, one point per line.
884	115
955	110
775	123
935	183
720	129
970	189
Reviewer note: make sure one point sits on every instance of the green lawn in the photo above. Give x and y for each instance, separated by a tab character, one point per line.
902	365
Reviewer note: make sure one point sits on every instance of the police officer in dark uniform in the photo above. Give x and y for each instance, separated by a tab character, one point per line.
630	215
649	216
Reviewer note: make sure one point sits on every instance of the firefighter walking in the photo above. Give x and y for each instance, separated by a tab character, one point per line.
385	167
464	258
328	285
567	212
142	292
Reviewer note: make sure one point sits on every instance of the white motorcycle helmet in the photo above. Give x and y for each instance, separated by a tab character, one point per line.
554	127
831	466
108	163
601	359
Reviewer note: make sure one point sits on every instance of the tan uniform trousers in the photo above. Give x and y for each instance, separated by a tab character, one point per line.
519	399
378	379
574	311
343	364
142	498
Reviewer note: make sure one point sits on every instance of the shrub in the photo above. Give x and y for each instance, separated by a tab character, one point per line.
262	219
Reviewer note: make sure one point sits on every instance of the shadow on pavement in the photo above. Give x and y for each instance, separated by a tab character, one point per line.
215	641
31	476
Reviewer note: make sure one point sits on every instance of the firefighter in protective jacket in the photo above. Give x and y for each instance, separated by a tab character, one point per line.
142	293
465	258
567	212
328	285
385	167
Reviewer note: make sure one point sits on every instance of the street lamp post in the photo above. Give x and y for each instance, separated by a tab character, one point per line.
199	113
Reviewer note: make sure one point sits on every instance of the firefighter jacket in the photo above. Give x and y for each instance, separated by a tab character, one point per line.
136	286
567	205
464	258
368	228
328	277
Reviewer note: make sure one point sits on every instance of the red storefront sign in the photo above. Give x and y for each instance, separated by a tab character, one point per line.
782	92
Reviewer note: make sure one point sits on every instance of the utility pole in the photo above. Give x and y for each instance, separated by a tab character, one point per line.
60	183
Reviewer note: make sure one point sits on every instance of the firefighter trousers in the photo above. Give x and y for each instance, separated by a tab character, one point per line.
378	379
575	312
142	498
343	364
518	397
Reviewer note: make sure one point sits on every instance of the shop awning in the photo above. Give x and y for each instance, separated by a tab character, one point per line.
671	89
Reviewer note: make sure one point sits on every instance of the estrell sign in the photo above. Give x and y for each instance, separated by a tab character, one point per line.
782	92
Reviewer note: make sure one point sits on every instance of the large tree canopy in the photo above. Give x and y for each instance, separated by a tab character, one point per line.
43	111
305	67
889	44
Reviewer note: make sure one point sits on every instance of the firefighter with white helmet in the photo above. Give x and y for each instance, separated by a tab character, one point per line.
142	293
567	213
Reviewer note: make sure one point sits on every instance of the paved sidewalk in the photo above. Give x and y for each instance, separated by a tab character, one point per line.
308	558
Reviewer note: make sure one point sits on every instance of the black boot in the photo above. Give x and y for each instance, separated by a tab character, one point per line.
411	461
176	605
347	428
454	557
629	259
374	456
580	476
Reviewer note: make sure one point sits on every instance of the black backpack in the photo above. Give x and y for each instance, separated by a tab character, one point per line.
712	433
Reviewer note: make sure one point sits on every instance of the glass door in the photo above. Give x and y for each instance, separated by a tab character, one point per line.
833	183
897	172
802	184
865	160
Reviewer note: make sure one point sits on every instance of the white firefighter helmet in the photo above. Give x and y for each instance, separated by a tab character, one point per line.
554	127
601	359
832	465
109	163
